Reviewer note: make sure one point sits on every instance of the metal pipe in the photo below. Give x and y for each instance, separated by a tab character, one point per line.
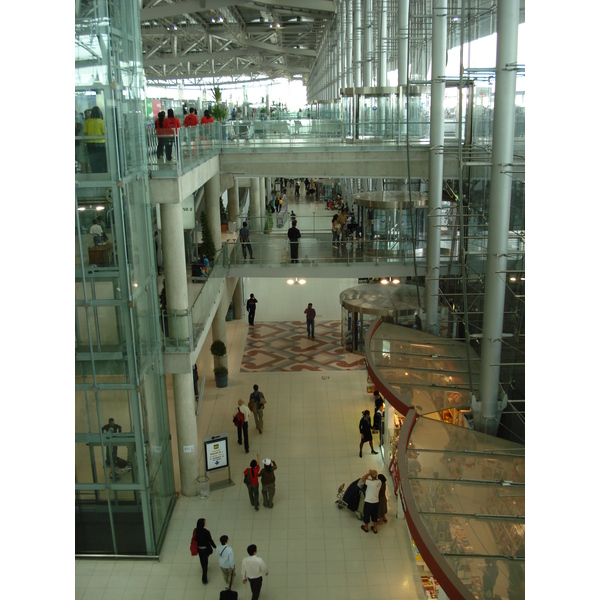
499	214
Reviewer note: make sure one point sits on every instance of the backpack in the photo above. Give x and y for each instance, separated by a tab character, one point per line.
238	419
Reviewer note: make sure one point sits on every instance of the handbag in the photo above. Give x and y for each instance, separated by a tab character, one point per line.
194	545
247	478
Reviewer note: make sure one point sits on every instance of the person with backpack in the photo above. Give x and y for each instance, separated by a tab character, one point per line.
256	405
240	420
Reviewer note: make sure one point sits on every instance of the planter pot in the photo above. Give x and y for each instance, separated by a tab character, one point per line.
223	227
221	380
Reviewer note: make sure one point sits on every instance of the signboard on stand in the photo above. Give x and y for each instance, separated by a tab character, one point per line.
216	458
216	452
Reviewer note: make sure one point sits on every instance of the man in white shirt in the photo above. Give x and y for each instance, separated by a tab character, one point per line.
371	508
253	568
96	232
244	428
226	560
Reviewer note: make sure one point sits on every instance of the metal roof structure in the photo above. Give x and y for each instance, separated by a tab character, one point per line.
196	39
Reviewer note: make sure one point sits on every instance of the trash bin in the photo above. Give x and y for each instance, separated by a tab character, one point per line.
203	486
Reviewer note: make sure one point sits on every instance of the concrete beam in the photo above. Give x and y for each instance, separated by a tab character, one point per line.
391	163
175	190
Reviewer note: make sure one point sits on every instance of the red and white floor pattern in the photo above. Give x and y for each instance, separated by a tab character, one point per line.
287	347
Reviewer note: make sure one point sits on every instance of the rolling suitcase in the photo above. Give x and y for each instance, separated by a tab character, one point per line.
229	594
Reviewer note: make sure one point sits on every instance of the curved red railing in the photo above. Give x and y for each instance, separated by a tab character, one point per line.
445	575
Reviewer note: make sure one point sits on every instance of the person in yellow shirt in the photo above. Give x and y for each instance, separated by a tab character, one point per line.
96	148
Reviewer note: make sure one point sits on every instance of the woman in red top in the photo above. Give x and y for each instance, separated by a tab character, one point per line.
206	118
172	123
252	473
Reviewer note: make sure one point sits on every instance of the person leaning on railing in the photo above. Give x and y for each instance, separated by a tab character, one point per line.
171	124
96	148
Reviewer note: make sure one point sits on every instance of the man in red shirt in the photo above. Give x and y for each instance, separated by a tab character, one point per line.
191	119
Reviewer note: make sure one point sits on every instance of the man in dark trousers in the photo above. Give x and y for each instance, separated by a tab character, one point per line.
294	236
251	309
310	313
245	239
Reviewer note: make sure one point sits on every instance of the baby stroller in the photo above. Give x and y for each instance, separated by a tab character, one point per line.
353	498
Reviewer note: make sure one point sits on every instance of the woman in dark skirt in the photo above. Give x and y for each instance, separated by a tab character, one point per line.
205	546
366	434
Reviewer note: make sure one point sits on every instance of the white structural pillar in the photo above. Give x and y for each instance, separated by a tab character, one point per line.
183	384
368	45
263	193
238	300
218	328
487	409
402	41
233	205
212	200
254	210
357	43
342	44
350	44
436	164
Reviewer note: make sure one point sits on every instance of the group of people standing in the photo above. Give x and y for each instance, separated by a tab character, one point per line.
375	507
167	127
253	567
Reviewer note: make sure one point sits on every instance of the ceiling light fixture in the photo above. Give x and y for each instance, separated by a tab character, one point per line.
296	281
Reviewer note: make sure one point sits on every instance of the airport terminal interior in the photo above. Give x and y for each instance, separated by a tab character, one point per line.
385	186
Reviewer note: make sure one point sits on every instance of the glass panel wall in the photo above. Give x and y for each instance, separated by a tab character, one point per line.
124	490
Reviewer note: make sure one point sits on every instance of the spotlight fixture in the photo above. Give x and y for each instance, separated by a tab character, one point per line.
296	281
386	280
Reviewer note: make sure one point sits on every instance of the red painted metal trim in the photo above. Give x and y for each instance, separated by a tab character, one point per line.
446	576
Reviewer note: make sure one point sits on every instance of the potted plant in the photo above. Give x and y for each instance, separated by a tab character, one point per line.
218	110
221	376
224	216
207	245
218	349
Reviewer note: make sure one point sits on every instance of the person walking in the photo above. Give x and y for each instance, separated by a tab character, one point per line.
205	546
294	235
371	507
251	481
310	313
366	431
242	427
251	309
267	478
383	500
226	560
253	569
245	239
256	404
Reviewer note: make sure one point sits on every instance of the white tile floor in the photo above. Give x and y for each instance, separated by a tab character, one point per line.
313	549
